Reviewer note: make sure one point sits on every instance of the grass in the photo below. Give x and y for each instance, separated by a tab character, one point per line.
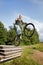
25	59
38	47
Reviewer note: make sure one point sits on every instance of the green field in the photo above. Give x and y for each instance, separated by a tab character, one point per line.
26	57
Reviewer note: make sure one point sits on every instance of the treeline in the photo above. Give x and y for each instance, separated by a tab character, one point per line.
7	36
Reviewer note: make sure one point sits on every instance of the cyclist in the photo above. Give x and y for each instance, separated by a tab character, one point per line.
18	25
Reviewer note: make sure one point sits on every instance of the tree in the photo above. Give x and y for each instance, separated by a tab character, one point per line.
10	36
35	38
3	33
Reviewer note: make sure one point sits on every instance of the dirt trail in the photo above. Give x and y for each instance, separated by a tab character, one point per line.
38	56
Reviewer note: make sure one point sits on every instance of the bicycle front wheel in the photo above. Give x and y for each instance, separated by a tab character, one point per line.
29	29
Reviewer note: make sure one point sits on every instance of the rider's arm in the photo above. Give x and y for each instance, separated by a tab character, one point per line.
23	22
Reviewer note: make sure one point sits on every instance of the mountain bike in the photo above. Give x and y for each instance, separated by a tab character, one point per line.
28	30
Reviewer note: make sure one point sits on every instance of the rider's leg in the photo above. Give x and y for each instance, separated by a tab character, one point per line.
18	30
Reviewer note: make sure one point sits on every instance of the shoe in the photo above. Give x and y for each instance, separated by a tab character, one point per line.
21	37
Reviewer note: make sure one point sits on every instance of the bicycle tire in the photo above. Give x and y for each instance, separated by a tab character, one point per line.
32	32
17	41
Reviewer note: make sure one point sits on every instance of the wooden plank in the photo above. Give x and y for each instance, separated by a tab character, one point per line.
8	46
9	58
7	53
9	49
13	55
1	57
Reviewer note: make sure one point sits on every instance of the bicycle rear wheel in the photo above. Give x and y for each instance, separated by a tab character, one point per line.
29	29
17	41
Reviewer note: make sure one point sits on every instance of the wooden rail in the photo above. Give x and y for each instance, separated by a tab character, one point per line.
8	52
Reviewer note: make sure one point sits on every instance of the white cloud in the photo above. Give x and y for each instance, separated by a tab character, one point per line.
38	25
37	1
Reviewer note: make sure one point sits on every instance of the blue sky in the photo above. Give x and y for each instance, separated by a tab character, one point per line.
30	9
